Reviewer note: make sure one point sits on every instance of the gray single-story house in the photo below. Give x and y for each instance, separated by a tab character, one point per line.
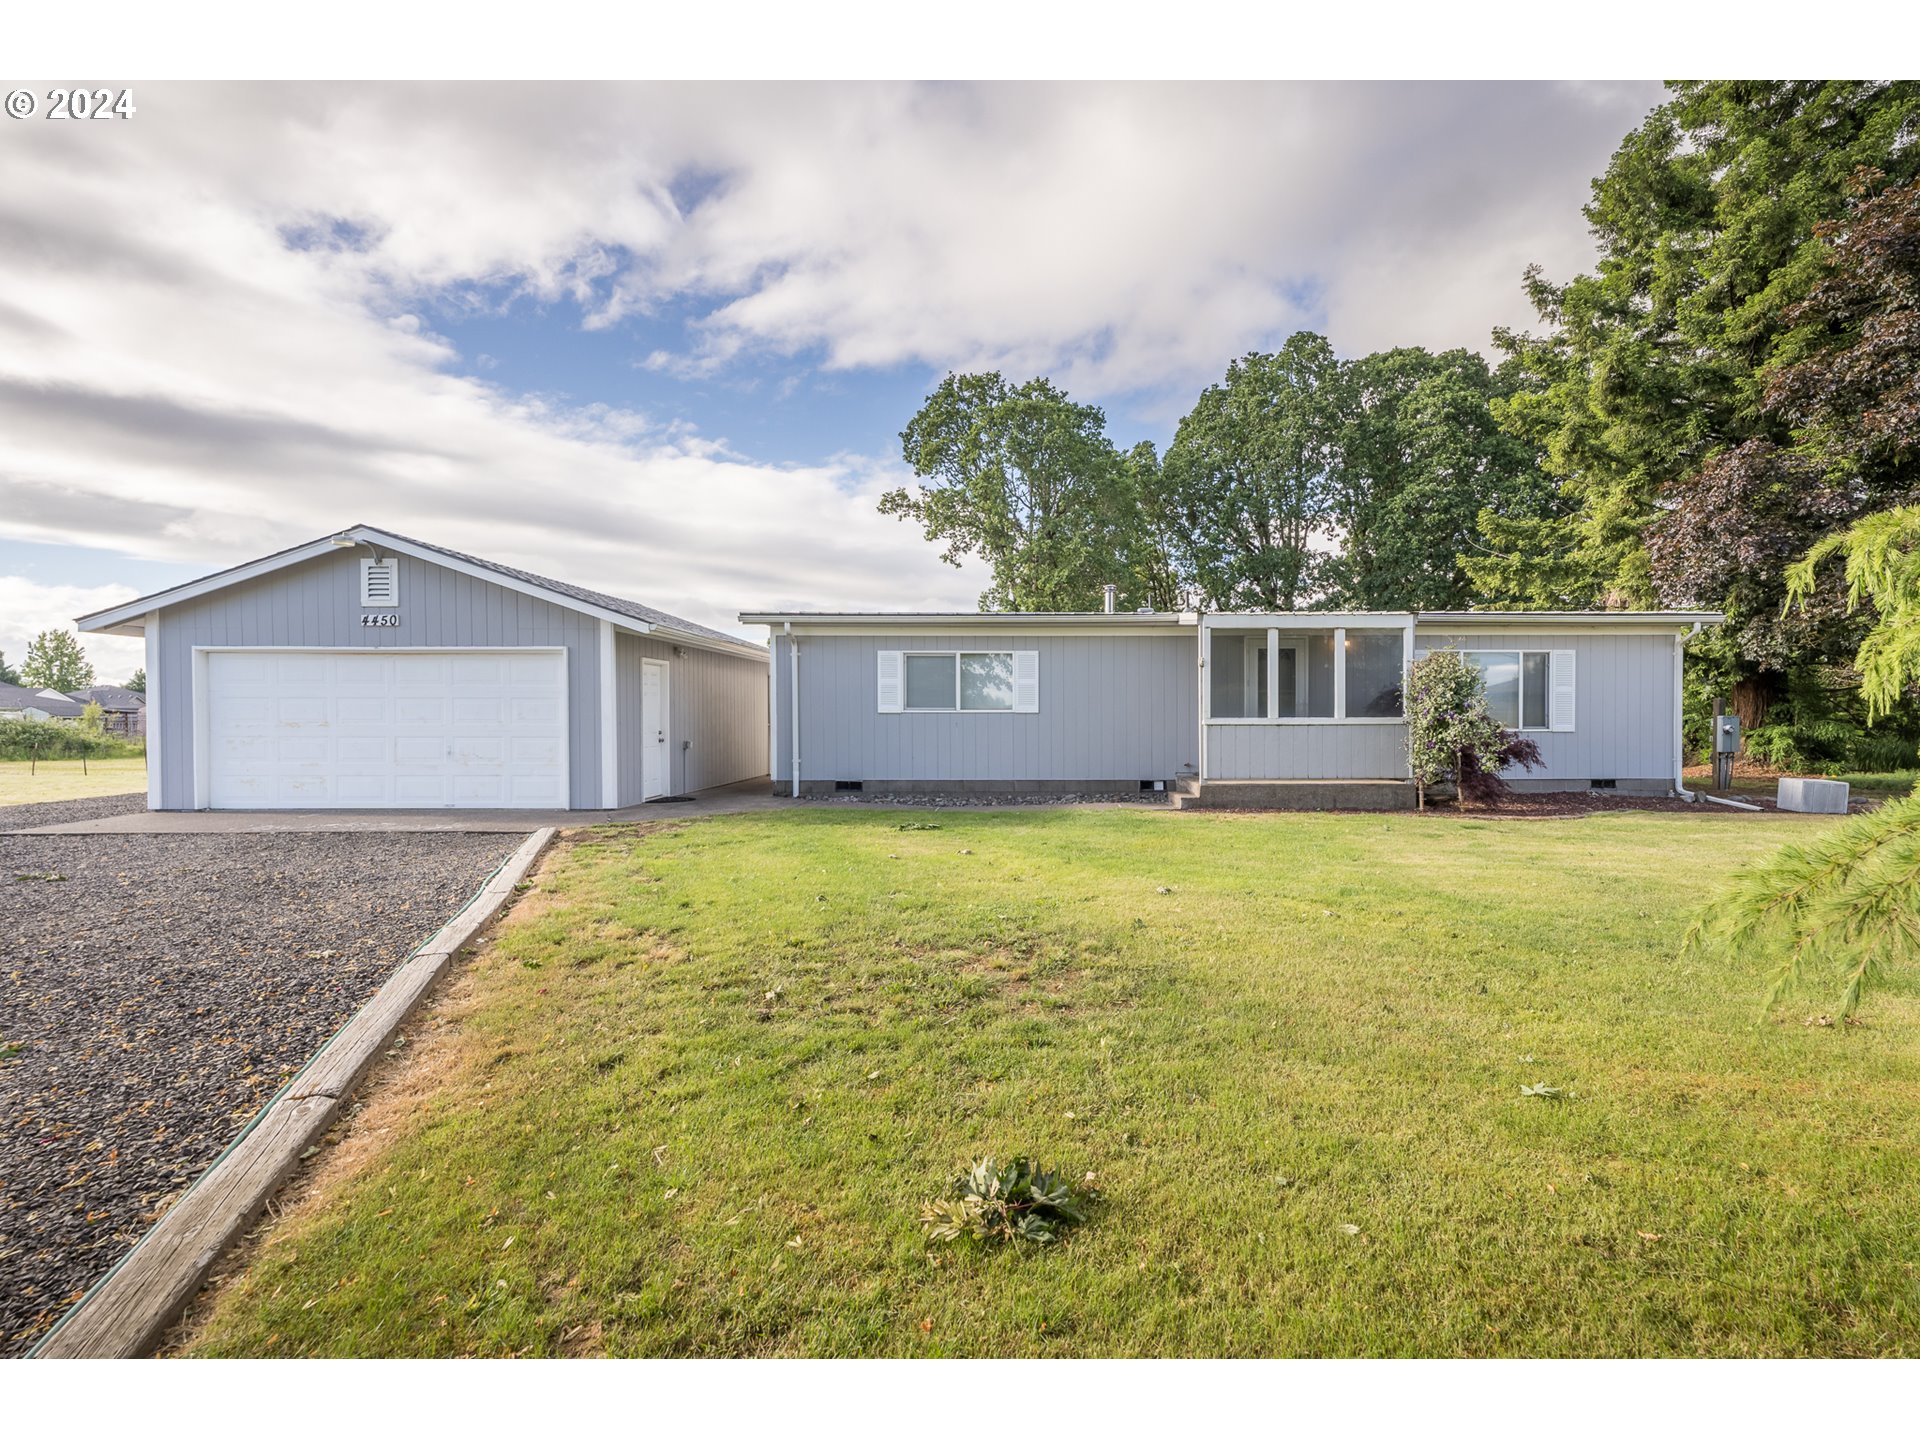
23	702
366	670
1300	708
122	711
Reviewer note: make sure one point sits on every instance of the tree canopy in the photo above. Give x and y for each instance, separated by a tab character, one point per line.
55	661
1026	479
1653	371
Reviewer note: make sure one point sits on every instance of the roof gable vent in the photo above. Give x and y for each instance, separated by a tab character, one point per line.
380	583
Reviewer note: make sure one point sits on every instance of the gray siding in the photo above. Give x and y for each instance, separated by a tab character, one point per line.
1112	708
718	715
1328	751
718	701
1624	706
318	603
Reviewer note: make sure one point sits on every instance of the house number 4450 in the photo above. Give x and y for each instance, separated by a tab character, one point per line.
387	621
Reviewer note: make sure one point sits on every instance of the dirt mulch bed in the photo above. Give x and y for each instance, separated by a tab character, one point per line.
155	991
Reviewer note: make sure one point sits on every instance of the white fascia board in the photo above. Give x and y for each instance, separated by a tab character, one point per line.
1647	621
128	619
894	622
1295	621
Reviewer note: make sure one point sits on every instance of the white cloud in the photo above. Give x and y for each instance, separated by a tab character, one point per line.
28	607
178	381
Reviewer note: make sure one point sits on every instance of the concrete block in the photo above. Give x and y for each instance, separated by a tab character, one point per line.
1813	797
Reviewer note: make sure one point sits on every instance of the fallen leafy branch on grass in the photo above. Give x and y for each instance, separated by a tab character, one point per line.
993	1203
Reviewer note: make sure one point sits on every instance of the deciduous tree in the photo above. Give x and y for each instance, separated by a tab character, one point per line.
1249	477
1026	479
55	661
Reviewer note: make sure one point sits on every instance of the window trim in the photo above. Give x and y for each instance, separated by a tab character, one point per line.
956	708
1521	697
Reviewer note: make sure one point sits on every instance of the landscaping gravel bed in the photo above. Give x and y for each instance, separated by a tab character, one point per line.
988	802
155	991
63	812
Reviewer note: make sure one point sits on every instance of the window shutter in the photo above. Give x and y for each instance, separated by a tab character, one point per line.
1026	682
1560	682
379	583
890	682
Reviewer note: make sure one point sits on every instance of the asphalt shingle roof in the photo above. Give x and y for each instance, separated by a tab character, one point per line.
578	592
23	697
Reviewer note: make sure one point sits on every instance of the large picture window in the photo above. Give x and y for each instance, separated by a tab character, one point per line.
960	680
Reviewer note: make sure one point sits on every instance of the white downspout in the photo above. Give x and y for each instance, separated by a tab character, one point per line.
1680	714
793	701
1204	705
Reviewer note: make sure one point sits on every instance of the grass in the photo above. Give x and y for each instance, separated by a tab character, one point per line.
690	1100
24	783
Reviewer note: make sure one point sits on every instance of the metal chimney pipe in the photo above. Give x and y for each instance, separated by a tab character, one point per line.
1112	598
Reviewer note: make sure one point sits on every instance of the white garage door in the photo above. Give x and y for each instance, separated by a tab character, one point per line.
381	729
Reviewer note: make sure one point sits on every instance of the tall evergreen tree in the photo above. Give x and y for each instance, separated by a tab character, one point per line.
1657	363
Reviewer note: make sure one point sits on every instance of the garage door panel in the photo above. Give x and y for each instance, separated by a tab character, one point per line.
301	710
331	729
533	710
484	670
301	670
363	792
249	712
420	710
524	790
358	711
485	752
479	710
363	671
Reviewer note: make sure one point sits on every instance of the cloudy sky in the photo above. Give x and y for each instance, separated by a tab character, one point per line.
661	339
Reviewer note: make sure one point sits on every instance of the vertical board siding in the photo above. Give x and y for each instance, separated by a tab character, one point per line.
1112	707
317	603
1329	751
1624	707
716	702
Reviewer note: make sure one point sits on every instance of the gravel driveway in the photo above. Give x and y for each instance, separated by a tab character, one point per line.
155	991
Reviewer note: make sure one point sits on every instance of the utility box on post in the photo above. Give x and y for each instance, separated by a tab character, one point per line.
1726	744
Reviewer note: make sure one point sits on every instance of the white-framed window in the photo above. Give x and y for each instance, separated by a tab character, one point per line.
379	583
959	681
1527	689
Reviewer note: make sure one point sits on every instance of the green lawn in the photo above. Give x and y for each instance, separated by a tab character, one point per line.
23	782
690	1101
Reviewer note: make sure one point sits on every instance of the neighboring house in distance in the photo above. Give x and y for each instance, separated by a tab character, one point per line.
122	711
367	670
1300	709
20	702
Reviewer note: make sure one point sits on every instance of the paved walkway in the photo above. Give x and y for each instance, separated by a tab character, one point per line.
721	800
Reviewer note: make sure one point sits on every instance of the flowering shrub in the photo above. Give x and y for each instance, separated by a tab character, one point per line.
1450	735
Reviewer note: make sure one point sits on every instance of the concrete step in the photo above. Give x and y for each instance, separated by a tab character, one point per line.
1297	795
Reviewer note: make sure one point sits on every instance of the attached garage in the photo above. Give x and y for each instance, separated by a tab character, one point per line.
368	671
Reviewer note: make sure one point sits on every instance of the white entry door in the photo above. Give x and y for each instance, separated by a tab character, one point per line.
656	768
382	729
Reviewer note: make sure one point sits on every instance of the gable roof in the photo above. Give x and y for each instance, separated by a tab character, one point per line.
25	697
645	619
110	697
